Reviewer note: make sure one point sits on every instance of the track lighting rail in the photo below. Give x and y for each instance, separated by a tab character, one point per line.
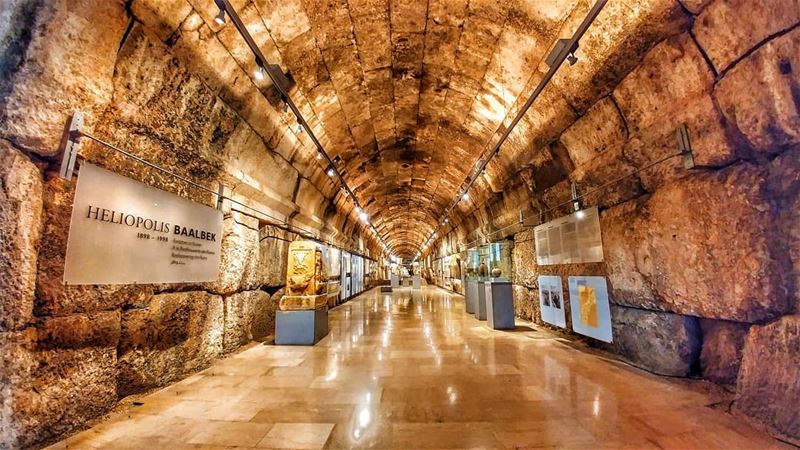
226	8
564	50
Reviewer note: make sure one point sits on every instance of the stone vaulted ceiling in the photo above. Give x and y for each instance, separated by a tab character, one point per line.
406	95
409	92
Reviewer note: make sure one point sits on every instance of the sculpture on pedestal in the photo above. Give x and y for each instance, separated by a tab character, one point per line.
306	280
302	316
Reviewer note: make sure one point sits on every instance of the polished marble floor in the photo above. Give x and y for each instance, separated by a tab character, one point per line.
412	370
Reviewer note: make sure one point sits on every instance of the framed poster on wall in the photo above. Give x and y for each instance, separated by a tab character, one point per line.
551	300
591	313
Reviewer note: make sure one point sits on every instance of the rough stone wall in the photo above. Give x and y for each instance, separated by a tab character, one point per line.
69	353
702	264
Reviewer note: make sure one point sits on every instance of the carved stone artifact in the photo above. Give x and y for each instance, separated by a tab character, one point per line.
306	279
483	270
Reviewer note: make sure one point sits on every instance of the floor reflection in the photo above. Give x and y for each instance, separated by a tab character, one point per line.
411	370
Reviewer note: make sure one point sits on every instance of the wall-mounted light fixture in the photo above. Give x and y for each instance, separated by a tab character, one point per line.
260	74
220	17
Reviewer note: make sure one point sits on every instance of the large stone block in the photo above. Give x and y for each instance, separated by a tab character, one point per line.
239	264
70	387
264	316
177	334
162	113
721	355
673	73
101	329
273	255
523	255
241	318
17	364
72	51
163	17
671	87
713	144
684	249
53	298
728	29
785	184
769	115
664	343
20	227
526	302
595	180
602	128
622	34
769	380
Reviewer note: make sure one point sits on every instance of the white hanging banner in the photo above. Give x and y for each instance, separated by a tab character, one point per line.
125	232
570	239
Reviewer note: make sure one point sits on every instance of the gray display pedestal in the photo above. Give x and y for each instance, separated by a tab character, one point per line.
500	305
415	282
395	281
470	297
480	300
301	327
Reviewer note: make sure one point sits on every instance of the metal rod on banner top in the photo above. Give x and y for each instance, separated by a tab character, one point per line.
71	151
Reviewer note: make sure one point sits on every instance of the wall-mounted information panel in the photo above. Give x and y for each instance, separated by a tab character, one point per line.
551	300
570	239
125	232
591	312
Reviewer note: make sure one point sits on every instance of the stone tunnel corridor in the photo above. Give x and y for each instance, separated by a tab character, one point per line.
399	223
410	369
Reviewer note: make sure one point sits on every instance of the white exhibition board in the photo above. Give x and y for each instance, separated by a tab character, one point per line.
125	232
591	312
571	239
551	300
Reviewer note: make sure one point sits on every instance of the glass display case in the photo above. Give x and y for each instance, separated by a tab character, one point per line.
476	256
498	260
489	262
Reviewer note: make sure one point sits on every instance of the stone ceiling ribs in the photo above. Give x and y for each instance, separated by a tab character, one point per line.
407	95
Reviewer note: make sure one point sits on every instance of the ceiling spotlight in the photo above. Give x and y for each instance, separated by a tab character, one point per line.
580	214
285	106
319	156
331	172
465	196
220	18
299	126
446	220
363	216
260	74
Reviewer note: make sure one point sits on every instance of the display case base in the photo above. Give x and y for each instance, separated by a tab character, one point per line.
471	296
500	305
480	300
301	327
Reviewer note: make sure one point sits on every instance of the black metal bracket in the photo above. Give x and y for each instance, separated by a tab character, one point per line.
577	205
562	45
685	146
70	145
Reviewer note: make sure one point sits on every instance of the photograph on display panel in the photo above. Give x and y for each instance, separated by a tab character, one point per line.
551	300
